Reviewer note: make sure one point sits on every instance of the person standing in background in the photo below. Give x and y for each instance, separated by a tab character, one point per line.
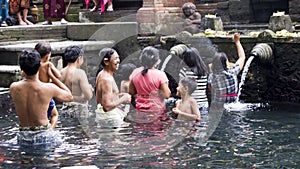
54	9
102	4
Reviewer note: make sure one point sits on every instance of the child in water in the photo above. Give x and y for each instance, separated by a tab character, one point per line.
44	49
186	108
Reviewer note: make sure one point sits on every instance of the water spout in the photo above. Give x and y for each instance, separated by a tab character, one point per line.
263	51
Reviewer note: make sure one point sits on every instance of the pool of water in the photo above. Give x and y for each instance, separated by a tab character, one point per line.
264	138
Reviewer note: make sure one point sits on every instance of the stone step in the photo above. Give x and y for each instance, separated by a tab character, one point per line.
9	54
8	74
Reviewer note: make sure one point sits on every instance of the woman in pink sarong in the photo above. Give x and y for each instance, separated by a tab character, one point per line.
102	4
150	87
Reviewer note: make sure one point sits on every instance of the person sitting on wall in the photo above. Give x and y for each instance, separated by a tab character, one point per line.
18	6
192	22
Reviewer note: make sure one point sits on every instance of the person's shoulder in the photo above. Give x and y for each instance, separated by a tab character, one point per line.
192	101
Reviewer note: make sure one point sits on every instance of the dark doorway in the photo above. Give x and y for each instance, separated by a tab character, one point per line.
127	4
263	9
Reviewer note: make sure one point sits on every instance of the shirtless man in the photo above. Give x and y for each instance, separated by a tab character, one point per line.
74	77
107	93
31	97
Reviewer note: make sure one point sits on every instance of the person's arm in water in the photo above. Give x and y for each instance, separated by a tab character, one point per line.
60	90
240	50
108	101
194	108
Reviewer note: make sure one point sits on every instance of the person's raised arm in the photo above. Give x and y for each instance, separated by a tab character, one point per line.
240	50
61	91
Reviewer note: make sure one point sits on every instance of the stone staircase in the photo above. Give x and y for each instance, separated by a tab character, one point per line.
90	36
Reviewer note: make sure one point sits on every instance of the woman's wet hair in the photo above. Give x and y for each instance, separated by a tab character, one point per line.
149	57
43	47
105	54
193	60
190	83
219	62
72	53
30	62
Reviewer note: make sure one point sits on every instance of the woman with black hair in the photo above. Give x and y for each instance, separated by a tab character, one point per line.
148	84
224	80
195	68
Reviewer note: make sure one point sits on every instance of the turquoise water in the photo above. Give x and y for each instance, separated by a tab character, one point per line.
266	138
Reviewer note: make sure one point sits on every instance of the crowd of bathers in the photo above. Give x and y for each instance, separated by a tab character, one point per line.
120	87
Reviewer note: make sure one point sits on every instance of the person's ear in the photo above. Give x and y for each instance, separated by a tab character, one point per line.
106	61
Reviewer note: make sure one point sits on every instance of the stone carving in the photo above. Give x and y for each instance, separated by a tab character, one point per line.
192	21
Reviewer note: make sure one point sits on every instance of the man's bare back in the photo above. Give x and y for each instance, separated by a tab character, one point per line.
31	97
74	77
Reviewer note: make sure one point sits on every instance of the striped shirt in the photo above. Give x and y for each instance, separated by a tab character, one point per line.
200	93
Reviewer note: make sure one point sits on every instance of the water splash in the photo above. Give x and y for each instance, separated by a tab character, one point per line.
244	74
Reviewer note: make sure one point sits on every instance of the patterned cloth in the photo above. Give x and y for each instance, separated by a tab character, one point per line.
16	6
225	84
200	93
54	9
38	135
112	118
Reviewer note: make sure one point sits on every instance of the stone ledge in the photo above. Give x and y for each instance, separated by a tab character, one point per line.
58	47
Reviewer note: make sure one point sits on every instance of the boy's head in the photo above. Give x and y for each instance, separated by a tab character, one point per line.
72	53
43	48
29	62
189	84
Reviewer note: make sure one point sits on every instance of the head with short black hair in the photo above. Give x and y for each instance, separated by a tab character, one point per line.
43	48
149	57
189	83
29	62
72	53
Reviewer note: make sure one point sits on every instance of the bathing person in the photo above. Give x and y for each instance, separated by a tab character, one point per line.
111	108
195	68
18	6
192	22
123	74
148	84
74	77
187	108
44	49
31	98
224	80
102	4
54	9
76	80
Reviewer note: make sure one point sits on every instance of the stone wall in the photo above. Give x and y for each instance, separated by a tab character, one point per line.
275	80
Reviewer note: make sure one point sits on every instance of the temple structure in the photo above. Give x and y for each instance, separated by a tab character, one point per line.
155	15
